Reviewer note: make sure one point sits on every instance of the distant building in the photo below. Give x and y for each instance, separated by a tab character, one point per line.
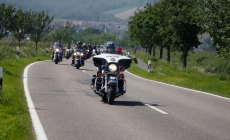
77	23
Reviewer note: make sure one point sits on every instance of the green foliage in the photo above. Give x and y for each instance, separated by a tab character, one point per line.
6	18
91	31
40	25
218	25
65	34
205	72
15	121
98	39
184	26
8	49
22	24
167	23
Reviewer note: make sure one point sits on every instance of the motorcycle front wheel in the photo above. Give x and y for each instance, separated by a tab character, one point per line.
111	94
56	61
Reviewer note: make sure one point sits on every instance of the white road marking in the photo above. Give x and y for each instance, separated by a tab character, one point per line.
181	87
84	71
39	131
152	107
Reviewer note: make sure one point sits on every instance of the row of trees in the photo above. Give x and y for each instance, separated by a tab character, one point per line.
176	24
20	23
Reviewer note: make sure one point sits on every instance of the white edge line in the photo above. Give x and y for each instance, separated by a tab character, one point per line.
39	131
181	87
152	107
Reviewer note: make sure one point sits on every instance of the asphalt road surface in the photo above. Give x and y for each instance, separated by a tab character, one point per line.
69	110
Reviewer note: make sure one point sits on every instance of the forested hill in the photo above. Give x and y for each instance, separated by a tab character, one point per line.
97	10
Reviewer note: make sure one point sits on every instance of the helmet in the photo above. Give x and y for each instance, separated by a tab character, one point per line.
109	47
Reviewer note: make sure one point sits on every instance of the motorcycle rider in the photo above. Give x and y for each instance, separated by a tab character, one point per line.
57	45
53	48
60	48
110	47
77	47
68	47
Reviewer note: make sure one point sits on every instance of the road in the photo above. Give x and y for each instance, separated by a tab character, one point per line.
69	110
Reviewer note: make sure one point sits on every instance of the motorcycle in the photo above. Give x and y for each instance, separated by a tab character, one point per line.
94	52
109	82
88	53
79	58
67	53
56	56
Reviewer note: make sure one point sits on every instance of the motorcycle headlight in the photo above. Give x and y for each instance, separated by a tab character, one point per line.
112	68
57	50
82	54
75	54
67	50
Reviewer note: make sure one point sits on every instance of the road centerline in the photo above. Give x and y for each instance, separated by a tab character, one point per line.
157	109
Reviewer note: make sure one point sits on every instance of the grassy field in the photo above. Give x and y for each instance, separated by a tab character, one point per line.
15	122
27	49
205	72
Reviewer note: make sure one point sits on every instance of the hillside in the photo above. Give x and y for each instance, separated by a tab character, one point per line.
96	10
126	14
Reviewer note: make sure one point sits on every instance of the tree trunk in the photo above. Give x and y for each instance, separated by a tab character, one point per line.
146	50
154	51
168	54
184	57
36	45
150	50
161	52
19	43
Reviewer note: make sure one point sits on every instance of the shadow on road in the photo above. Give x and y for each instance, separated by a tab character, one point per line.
64	64
87	69
128	103
132	103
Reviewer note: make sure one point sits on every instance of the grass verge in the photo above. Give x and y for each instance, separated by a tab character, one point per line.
190	78
15	121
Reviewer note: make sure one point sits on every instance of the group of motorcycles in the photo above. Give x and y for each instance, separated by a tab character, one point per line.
109	81
81	53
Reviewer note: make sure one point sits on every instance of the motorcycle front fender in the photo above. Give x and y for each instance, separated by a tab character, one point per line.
112	82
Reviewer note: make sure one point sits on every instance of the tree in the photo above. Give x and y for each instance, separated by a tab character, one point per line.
218	25
91	31
21	24
6	17
65	34
164	29
184	23
40	26
140	30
